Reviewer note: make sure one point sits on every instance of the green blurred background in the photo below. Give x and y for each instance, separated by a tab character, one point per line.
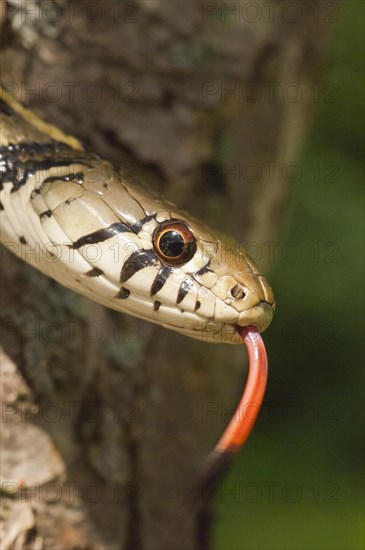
299	482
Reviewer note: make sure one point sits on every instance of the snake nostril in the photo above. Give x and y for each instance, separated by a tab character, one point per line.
238	292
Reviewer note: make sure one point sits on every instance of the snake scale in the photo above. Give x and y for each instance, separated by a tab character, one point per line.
76	218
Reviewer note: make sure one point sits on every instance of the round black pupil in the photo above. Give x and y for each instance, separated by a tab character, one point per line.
172	244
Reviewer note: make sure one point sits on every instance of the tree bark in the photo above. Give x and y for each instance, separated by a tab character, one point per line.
104	417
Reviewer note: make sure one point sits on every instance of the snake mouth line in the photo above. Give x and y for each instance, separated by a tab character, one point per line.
259	316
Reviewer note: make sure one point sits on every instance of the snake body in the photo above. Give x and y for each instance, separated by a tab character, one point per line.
73	216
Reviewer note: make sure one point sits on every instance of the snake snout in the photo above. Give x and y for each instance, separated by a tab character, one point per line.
254	301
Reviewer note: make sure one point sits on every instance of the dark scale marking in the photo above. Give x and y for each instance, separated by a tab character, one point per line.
136	227
185	286
46	213
78	177
1	206
22	240
123	293
21	160
101	235
26	151
94	272
160	279
156	305
29	168
197	305
204	269
137	261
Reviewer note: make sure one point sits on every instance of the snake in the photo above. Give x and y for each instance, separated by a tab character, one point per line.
80	220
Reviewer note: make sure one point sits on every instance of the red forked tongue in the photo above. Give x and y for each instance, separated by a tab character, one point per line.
243	420
248	408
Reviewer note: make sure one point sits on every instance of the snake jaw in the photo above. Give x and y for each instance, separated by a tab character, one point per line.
259	316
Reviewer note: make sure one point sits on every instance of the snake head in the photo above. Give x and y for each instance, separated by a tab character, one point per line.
218	284
185	278
147	258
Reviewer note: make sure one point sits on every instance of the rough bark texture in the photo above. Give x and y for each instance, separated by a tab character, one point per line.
103	425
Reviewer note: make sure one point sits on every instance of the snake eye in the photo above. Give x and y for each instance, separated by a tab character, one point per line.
174	242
